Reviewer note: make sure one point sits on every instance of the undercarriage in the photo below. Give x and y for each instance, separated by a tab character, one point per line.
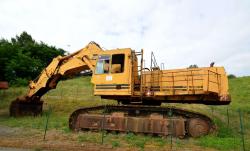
142	119
161	121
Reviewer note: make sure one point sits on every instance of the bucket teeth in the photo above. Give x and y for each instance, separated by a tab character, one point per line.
24	106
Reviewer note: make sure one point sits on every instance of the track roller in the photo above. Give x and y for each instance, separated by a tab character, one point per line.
198	127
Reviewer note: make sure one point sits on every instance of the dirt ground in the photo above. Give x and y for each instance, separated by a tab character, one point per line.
20	139
33	139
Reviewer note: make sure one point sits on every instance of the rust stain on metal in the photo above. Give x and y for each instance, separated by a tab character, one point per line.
158	125
198	127
23	108
4	85
154	122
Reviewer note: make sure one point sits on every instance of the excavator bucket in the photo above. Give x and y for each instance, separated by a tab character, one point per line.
24	106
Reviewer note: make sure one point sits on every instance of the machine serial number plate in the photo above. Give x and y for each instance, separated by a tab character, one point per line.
108	78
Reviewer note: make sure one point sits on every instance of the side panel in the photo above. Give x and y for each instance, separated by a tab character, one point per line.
197	85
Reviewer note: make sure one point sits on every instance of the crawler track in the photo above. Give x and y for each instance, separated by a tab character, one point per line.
142	119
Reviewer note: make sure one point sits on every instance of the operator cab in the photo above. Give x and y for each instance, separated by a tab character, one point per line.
110	64
112	74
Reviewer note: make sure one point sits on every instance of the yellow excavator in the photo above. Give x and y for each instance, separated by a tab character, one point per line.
120	75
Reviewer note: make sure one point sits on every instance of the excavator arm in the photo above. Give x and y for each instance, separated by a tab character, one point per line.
31	104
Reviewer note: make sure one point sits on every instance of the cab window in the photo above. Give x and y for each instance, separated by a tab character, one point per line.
117	65
103	64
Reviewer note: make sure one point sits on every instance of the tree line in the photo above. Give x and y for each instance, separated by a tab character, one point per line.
22	58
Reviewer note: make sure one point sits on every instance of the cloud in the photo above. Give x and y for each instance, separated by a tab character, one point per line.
179	32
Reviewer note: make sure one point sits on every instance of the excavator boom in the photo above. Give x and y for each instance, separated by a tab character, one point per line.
31	104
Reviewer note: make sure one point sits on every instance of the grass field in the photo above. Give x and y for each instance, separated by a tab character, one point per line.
74	93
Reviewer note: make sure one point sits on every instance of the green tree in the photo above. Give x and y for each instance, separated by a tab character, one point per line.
22	58
193	66
231	76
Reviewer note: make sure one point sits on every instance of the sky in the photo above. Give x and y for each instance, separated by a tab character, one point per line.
179	32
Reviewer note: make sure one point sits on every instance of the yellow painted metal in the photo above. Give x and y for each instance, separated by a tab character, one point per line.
111	80
189	81
61	66
123	77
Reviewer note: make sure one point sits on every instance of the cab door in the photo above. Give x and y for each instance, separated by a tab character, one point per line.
112	75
